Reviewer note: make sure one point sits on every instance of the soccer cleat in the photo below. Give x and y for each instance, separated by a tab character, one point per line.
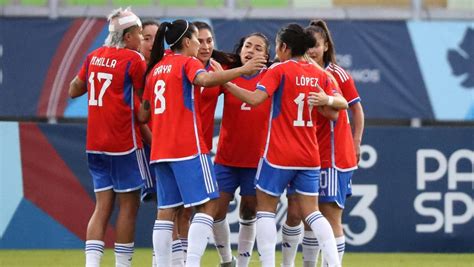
231	263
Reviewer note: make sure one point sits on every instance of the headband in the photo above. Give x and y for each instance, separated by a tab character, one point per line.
181	36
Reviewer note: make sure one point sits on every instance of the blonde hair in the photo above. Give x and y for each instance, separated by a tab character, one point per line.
115	36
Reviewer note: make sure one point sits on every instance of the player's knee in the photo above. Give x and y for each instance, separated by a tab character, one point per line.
335	221
248	212
293	217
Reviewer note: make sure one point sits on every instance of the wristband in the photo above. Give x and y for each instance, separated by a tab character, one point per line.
330	100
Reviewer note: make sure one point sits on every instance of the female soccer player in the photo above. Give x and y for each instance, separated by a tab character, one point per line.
238	154
149	32
179	154
209	96
112	75
291	150
148	193
338	159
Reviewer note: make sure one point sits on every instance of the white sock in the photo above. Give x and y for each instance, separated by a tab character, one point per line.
177	255
162	238
323	231
94	250
266	237
184	246
247	232
221	232
153	260
123	254
310	249
199	232
341	246
291	236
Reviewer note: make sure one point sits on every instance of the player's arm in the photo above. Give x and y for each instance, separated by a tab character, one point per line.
220	76
146	133
328	112
253	98
336	101
77	87
358	120
139	93
144	112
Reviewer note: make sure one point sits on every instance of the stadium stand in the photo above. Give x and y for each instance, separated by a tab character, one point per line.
449	4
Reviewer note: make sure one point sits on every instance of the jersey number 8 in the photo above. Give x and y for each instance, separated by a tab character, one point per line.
160	87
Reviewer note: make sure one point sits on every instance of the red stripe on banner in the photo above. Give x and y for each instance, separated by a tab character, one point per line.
77	61
54	94
54	66
52	186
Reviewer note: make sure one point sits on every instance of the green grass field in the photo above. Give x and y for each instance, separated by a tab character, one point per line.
142	258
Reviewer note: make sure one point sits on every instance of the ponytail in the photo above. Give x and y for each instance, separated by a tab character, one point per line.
173	33
158	49
319	26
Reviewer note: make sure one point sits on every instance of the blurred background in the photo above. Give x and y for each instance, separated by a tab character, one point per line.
412	62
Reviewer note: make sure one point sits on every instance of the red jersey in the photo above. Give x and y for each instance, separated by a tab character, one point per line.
112	75
346	83
291	141
176	130
336	144
243	128
207	104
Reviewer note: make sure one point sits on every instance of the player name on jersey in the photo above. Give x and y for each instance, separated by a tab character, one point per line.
103	62
306	81
162	69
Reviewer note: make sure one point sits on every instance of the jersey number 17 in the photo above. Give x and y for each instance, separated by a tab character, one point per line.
107	77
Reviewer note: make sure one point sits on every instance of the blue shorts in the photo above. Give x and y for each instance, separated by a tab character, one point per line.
229	178
149	184
273	180
189	182
121	173
335	186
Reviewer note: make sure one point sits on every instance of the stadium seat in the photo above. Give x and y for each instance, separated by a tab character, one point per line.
261	3
391	3
461	4
434	3
34	2
269	3
214	3
133	2
312	3
87	2
180	3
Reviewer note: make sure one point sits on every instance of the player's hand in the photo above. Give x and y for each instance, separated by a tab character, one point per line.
216	65
318	98
357	150
253	65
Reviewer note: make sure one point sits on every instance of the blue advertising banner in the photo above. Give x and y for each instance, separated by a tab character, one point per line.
402	69
413	191
379	55
27	49
445	52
